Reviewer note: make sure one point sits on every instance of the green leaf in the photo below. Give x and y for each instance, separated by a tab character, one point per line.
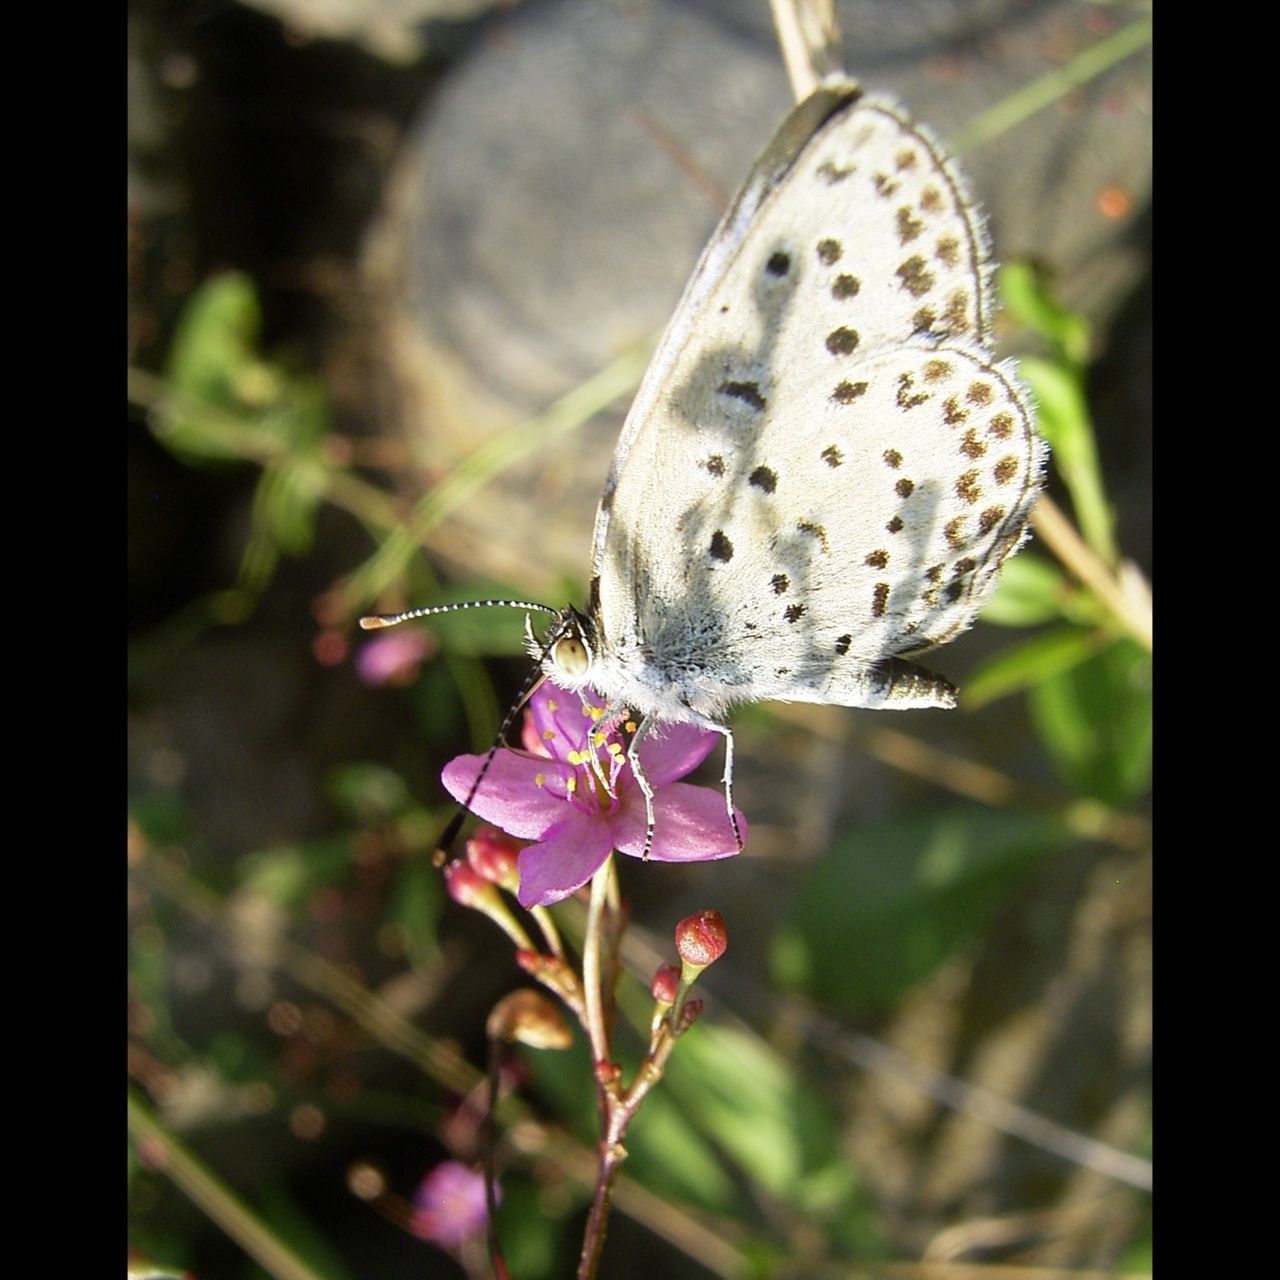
888	904
1064	421
1023	666
1033	590
669	1152
1095	721
758	1109
214	351
1028	303
214	364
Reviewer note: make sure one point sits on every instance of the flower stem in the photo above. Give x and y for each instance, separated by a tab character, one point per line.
601	921
591	943
550	934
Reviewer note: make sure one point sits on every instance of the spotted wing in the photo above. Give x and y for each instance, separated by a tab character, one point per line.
825	465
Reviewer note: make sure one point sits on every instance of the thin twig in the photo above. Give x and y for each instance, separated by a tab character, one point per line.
1130	608
809	37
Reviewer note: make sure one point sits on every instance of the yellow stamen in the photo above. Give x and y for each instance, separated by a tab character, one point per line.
630	726
615	748
572	785
539	779
551	705
548	735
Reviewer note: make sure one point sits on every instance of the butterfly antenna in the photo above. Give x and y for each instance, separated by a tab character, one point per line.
375	621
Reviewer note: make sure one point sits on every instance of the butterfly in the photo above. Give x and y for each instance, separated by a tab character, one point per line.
825	464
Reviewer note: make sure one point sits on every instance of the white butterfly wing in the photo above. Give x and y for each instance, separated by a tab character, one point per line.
824	466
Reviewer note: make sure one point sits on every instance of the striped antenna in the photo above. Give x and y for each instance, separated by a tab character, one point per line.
374	621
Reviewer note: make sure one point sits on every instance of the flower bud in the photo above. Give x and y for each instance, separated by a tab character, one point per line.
469	889
689	1014
700	941
607	1073
665	984
492	854
530	1018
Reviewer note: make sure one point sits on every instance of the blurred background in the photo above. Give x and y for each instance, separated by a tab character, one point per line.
394	268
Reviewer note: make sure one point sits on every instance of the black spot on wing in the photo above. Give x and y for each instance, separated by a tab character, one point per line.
843	341
829	252
747	392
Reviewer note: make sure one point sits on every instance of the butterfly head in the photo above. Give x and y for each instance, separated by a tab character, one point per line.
567	653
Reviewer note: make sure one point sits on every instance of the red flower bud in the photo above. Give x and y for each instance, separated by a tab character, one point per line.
492	854
701	939
688	1016
468	888
665	984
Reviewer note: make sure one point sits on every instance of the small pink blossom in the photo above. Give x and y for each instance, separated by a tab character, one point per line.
549	793
394	657
449	1207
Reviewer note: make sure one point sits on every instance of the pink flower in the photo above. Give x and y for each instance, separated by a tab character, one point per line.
549	793
449	1207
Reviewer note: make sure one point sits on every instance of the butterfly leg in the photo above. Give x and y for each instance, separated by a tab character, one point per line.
727	779
646	789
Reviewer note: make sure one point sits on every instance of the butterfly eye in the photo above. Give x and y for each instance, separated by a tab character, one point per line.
571	656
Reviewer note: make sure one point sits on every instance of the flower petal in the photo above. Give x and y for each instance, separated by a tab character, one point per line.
672	750
510	795
555	722
572	853
690	825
